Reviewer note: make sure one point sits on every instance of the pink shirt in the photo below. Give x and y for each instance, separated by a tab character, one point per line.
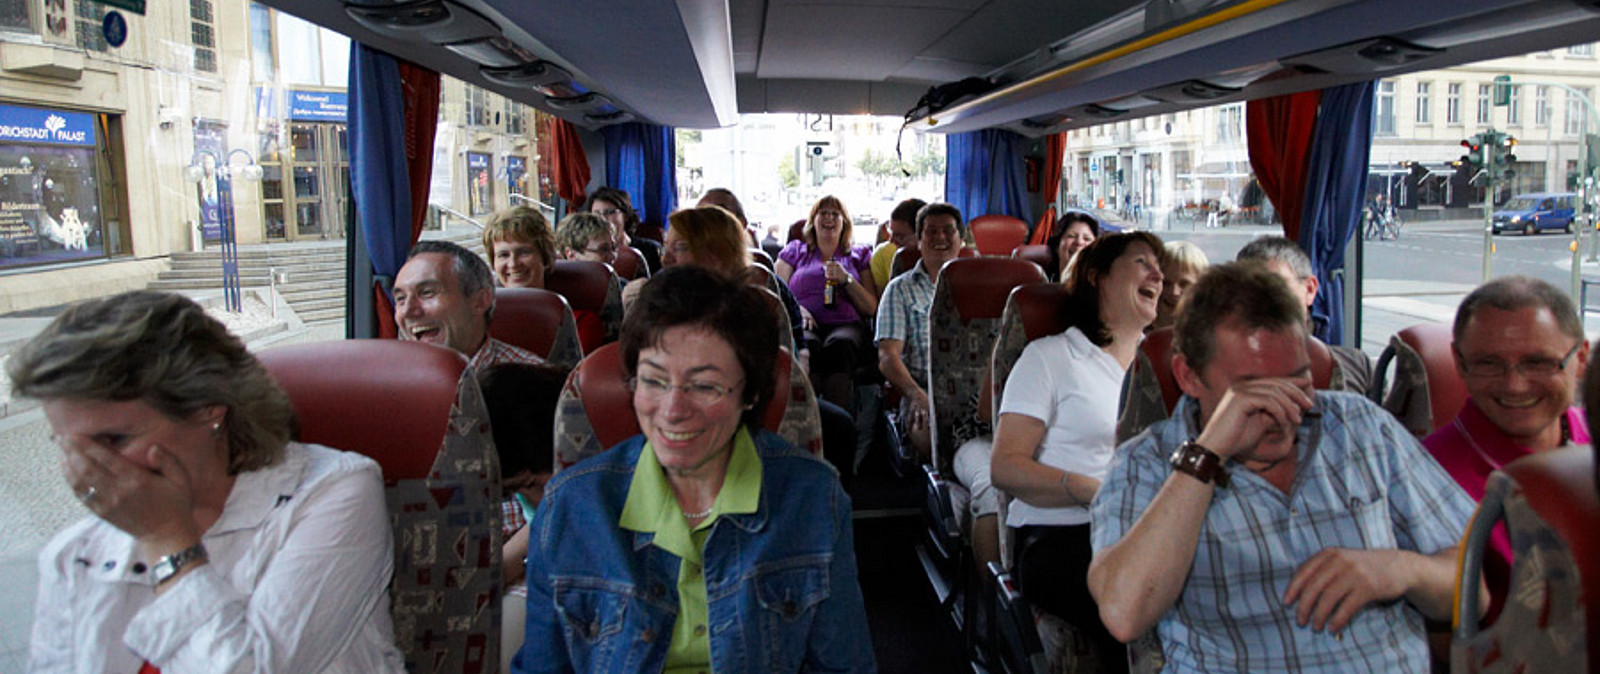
1469	448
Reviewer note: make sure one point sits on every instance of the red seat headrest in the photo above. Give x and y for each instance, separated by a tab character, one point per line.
904	260
1036	253
980	286
1446	391
528	318
1041	308
602	384
998	234
386	399
584	283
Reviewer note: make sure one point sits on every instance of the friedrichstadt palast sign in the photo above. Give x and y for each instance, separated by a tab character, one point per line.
35	125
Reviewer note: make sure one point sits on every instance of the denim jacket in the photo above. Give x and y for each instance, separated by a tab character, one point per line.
780	583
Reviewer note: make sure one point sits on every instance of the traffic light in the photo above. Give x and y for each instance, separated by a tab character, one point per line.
1504	161
1472	161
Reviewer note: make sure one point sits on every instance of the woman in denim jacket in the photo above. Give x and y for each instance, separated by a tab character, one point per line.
704	544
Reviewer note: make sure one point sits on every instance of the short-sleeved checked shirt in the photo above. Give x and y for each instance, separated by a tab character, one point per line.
1361	482
903	315
495	352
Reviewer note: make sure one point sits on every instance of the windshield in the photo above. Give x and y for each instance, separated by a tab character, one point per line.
1520	204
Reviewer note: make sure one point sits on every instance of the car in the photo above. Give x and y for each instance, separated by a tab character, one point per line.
1534	212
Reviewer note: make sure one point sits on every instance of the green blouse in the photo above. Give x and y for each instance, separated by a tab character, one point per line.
651	508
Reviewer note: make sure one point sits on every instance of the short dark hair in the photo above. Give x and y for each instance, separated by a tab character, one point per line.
1276	248
521	400
1083	296
733	206
1244	293
938	208
906	211
472	272
695	296
620	199
1510	293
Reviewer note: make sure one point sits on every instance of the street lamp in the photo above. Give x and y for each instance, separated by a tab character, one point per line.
222	173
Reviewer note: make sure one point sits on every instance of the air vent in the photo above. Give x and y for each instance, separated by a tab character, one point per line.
1192	91
436	21
496	52
614	117
1100	112
1364	56
540	76
588	101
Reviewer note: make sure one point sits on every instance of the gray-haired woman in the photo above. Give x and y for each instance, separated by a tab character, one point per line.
216	544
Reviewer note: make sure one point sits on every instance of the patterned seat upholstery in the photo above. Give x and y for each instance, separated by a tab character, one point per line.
441	477
539	321
590	286
998	235
1549	504
596	409
1031	312
1427	391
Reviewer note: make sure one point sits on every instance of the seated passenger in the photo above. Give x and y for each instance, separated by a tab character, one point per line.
215	542
724	197
523	250
1182	264
1057	426
1286	259
444	295
616	208
709	237
833	281
1520	349
902	234
902	331
730	550
1074	231
586	236
1266	526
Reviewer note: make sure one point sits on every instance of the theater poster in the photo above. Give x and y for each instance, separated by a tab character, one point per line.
516	175
480	194
49	187
210	147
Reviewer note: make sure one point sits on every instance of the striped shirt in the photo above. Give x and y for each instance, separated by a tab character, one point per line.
1361	482
903	315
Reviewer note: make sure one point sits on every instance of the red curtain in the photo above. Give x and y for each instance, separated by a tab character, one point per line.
1055	149
420	90
1279	132
570	165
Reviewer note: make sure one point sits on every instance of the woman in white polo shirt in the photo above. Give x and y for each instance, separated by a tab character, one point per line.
1057	426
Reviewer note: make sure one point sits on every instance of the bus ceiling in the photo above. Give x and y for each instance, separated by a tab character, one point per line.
1032	66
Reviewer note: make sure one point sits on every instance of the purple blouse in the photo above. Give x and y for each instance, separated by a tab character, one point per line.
809	278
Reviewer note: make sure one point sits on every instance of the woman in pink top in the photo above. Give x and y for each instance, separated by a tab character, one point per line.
832	279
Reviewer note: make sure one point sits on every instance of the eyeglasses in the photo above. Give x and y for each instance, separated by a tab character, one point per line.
703	394
1533	367
607	212
610	249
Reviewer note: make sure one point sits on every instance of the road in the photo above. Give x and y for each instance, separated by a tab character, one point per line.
1422	276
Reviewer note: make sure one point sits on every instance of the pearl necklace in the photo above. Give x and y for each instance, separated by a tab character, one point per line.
700	515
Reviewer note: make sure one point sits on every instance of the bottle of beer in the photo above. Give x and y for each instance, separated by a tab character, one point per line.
830	296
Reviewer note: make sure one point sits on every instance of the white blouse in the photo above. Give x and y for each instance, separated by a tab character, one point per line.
297	581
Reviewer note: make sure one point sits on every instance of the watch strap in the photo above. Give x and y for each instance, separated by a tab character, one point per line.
169	566
1201	463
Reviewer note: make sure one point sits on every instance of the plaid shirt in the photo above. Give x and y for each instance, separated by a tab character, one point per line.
903	315
1361	482
495	352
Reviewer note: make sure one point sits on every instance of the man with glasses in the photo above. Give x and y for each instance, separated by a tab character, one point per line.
1520	349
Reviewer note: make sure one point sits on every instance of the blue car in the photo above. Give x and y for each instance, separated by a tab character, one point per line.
1536	212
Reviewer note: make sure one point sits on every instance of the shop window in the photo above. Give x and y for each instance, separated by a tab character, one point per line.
50	187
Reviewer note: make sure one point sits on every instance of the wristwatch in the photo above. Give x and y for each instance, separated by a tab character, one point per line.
169	566
1199	462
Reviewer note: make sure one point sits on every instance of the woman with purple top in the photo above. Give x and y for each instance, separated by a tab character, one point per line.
832	279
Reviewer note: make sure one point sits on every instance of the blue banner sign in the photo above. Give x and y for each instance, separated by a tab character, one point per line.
36	125
318	106
477	160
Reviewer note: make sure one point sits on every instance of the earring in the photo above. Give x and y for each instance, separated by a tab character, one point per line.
216	428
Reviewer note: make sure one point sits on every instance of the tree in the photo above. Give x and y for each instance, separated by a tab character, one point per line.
787	174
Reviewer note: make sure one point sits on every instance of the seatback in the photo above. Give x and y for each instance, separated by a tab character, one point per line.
1036	253
998	234
407	406
903	260
596	409
1032	311
1428	390
1551	623
589	286
630	264
761	257
763	278
539	321
968	299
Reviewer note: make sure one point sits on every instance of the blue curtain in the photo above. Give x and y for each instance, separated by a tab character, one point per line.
641	159
1336	180
379	180
985	173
